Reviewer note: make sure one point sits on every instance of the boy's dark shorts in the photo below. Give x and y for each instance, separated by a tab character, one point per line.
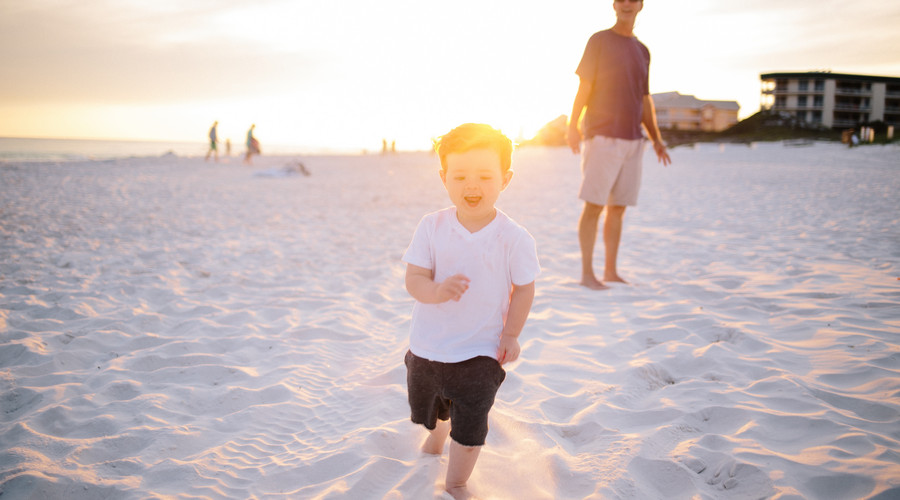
463	392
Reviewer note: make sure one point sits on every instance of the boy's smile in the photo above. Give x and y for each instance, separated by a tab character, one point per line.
474	180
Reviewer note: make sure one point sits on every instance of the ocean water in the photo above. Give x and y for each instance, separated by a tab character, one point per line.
22	150
61	150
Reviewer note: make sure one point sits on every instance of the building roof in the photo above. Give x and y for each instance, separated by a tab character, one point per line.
828	75
678	100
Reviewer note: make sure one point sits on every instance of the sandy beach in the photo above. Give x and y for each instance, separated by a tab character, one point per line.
172	328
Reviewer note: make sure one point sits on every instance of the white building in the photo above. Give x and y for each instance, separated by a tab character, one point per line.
676	111
833	100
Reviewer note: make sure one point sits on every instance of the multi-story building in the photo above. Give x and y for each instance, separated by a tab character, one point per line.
676	111
832	100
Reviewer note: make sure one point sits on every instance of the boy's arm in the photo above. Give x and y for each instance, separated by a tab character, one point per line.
519	306
421	285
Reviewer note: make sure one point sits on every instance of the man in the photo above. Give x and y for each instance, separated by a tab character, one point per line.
614	93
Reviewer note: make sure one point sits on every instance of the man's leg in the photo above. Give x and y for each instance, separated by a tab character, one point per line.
459	467
612	235
587	237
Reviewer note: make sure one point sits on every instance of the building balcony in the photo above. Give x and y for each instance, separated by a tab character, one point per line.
853	108
844	123
808	107
853	92
786	92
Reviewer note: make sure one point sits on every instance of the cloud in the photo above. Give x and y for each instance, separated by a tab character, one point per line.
79	55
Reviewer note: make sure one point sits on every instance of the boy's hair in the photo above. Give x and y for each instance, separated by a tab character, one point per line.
469	136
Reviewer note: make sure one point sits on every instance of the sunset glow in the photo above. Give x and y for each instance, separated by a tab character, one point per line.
344	75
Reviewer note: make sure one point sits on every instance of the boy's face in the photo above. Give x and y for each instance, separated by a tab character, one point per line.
474	180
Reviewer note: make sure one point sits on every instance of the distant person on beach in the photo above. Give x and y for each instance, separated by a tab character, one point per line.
614	93
213	140
227	147
252	145
471	270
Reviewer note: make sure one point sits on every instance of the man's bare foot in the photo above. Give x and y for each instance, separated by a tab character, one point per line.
460	493
614	278
593	283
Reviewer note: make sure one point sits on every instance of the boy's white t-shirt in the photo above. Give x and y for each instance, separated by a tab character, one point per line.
501	254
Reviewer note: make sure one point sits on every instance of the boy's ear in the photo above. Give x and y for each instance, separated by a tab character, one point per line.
443	174
507	176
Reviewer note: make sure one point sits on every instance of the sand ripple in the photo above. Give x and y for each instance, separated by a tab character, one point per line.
175	329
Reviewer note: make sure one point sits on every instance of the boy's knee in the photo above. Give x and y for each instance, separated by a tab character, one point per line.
469	434
465	448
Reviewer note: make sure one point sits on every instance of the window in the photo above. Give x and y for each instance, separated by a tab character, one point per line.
804	85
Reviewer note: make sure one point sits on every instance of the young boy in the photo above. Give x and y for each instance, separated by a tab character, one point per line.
471	270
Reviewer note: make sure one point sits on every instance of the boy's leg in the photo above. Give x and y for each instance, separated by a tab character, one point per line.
472	386
459	468
426	406
434	445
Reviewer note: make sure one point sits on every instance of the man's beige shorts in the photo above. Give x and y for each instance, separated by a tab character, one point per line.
611	170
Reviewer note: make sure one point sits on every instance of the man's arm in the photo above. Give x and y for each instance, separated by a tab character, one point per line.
648	118
519	306
421	285
573	135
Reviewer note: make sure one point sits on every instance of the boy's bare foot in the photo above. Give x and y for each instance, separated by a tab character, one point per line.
593	283
460	493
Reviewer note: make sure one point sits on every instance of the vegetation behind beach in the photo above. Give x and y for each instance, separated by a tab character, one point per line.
761	127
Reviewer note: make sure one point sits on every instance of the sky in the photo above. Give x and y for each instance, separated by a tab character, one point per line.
345	74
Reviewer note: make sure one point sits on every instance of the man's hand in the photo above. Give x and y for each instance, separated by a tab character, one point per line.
661	153
452	288
573	137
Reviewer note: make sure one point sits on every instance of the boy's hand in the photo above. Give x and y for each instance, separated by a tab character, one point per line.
452	288
509	349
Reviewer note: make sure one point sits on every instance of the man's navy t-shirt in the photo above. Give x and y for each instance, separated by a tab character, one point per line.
619	69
